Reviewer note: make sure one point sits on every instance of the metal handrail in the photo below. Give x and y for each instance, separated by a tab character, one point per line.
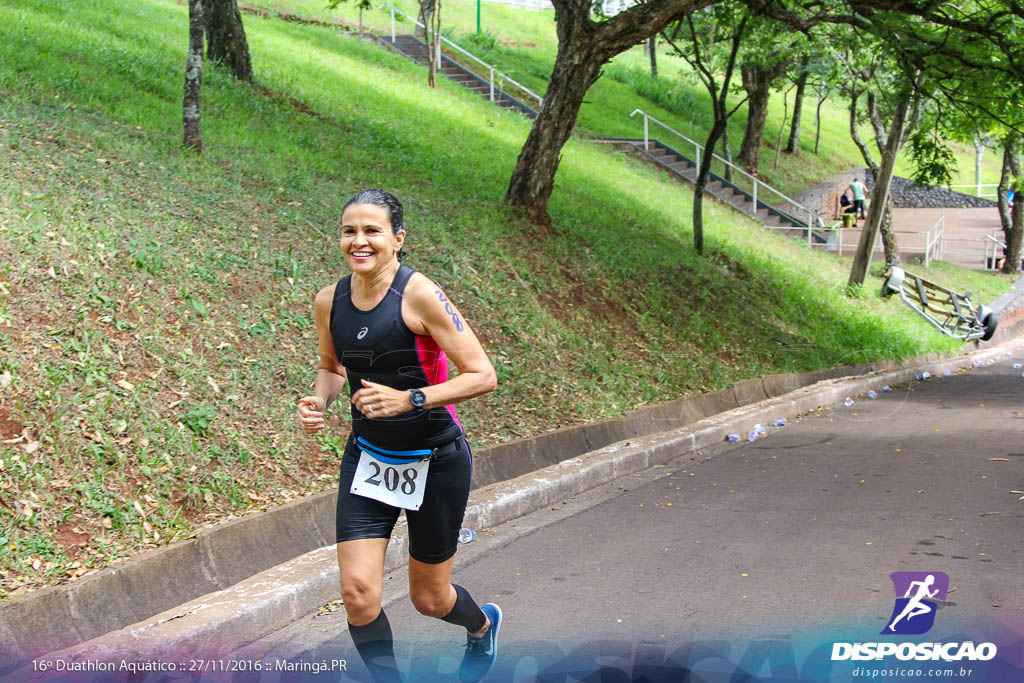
991	244
977	187
491	70
698	148
934	242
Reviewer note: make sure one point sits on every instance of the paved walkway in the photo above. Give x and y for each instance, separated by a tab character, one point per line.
752	558
963	234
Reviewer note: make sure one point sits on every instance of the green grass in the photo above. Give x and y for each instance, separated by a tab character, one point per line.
155	305
523	45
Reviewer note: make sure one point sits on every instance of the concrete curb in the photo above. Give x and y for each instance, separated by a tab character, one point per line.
222	621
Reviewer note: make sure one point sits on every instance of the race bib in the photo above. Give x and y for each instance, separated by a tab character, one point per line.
398	485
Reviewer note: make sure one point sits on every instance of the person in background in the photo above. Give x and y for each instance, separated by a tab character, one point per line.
859	192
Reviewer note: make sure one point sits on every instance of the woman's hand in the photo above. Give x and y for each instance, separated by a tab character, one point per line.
376	400
311	414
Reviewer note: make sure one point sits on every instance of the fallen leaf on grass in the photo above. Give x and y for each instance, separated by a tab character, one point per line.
213	385
126	385
31	447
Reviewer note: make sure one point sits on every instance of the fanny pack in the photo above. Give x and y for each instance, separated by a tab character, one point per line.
405	457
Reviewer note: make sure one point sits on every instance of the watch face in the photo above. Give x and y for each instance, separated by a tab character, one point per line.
417	398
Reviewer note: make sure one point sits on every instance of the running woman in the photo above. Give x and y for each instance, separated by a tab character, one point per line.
389	331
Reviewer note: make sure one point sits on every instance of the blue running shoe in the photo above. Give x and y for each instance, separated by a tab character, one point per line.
482	652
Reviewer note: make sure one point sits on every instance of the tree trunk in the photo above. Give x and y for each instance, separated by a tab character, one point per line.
225	37
1015	236
979	153
651	44
433	40
727	153
793	144
702	182
533	178
1004	185
782	128
757	83
865	151
584	46
822	96
193	77
880	194
889	243
426	14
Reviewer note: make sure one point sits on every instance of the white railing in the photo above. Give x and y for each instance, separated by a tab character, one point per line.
992	245
532	5
978	189
757	185
933	241
501	78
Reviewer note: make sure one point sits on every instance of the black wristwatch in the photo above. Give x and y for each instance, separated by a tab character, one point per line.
417	398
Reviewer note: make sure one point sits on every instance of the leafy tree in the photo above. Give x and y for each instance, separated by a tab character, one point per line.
584	46
710	43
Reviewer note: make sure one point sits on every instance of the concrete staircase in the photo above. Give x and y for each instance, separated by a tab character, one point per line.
416	50
685	169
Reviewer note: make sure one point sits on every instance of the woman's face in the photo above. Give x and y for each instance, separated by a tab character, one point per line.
367	240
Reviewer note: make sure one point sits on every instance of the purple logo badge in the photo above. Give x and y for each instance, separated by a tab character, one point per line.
916	596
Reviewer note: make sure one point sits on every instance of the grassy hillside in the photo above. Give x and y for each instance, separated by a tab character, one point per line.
523	44
155	306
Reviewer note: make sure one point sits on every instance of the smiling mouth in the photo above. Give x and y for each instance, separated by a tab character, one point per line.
362	254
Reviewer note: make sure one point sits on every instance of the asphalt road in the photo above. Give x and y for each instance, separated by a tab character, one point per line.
751	559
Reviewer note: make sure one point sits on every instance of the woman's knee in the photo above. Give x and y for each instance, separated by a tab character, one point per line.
360	595
432	601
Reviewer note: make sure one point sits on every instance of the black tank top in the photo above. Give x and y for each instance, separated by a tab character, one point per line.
377	346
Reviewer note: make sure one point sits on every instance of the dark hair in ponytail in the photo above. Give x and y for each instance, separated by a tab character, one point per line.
387	201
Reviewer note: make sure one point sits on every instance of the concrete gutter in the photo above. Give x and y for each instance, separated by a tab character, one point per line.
224	620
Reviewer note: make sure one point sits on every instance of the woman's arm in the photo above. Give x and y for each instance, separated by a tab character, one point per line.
330	377
427	311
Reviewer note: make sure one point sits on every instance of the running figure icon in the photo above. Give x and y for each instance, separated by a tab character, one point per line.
916	607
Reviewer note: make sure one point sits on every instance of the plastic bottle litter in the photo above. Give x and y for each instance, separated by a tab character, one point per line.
1017	366
848	402
885	388
990	362
466	535
752	436
780	422
947	372
925	374
760	428
919	377
976	363
872	394
732	438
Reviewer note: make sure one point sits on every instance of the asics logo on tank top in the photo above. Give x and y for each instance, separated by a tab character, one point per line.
362	333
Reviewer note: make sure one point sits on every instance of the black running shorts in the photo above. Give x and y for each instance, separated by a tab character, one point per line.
433	529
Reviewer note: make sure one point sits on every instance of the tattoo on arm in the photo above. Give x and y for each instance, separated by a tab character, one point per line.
449	310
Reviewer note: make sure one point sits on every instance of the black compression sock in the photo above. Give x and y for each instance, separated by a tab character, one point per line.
465	612
376	646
